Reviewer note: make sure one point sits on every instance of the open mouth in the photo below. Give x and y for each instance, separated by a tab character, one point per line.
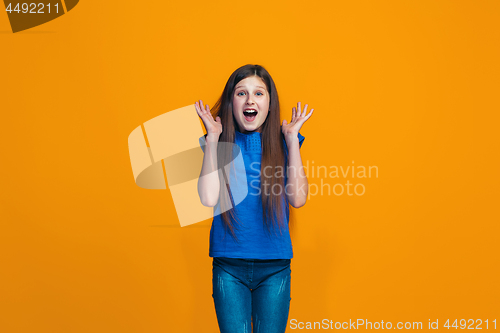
250	114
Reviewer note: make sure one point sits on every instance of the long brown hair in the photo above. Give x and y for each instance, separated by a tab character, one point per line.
273	153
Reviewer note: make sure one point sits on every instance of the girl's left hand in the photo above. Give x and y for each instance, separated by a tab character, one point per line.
299	117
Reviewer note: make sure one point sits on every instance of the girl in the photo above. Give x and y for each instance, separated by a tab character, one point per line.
250	242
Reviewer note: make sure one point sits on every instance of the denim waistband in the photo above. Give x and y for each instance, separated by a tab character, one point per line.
247	260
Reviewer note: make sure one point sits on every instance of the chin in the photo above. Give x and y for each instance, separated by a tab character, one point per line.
251	128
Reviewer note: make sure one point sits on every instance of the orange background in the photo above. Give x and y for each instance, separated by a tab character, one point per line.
410	87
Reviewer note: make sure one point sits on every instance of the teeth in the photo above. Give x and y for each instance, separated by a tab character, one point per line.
250	111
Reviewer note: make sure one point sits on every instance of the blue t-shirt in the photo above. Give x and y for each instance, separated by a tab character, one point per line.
254	241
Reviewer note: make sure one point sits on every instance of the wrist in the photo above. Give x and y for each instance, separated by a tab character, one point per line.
291	138
212	137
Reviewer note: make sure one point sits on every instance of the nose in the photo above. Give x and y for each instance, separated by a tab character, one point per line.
250	100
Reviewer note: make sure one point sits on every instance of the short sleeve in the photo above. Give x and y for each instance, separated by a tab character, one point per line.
202	143
301	139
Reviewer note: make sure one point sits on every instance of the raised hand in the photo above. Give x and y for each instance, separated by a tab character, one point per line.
213	127
299	117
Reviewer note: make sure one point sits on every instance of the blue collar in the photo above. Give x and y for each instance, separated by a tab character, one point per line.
248	141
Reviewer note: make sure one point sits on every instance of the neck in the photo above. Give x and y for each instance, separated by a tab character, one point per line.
259	130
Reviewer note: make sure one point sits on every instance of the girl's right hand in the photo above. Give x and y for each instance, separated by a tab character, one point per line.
212	126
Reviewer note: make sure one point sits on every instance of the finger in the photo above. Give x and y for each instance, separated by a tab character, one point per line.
298	109
283	123
203	113
198	110
217	119
198	104
202	106
302	120
305	110
310	114
208	113
293	113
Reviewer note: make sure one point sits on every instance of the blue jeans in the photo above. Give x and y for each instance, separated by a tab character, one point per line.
251	292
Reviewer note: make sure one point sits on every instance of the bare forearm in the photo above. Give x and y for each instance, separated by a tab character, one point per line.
208	182
297	185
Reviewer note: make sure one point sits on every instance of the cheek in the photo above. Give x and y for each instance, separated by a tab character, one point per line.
264	116
237	105
267	103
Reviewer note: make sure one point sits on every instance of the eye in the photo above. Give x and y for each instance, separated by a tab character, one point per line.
239	94
260	93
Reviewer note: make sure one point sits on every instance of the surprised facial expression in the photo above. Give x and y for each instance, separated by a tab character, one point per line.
250	104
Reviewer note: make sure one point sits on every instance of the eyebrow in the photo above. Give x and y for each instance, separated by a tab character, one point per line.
243	87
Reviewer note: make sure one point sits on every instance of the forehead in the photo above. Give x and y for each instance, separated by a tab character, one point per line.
251	82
